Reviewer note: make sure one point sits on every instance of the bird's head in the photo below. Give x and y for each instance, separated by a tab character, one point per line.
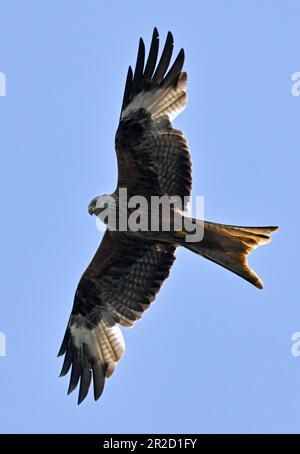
98	204
101	206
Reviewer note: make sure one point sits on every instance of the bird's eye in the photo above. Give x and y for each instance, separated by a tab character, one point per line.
105	205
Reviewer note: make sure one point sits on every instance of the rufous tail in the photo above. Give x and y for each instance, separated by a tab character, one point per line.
229	245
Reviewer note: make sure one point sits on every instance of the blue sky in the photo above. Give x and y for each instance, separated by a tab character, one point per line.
214	353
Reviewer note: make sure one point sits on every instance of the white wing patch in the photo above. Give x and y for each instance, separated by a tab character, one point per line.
105	343
159	102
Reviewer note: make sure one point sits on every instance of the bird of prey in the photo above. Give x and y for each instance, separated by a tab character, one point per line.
130	266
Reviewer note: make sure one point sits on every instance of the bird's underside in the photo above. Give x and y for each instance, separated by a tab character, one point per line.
129	268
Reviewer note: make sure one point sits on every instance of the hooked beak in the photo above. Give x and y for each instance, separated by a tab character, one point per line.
92	208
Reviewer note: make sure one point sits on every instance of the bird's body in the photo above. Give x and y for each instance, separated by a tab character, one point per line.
134	258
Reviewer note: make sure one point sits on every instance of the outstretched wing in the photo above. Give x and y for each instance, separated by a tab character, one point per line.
117	287
153	158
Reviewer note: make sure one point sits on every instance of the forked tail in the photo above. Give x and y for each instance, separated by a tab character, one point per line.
229	246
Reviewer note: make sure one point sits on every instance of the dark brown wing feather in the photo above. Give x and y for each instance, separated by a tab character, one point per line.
153	158
143	78
117	287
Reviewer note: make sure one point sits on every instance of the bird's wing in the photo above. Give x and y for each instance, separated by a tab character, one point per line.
117	287
153	157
